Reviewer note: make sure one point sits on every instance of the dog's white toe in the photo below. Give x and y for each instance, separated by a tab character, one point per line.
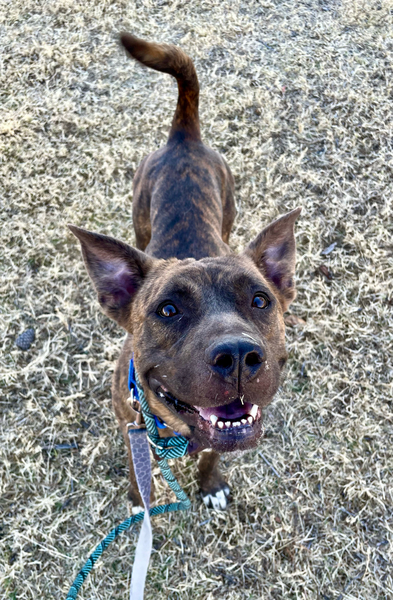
136	510
218	501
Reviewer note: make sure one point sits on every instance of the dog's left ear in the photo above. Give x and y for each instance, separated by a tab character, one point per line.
274	253
117	271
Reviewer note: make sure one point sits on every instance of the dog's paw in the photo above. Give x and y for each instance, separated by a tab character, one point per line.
136	510
217	500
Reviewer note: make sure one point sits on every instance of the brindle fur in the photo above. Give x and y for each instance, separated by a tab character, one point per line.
183	211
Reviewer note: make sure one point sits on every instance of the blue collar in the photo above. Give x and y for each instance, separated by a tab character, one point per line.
133	386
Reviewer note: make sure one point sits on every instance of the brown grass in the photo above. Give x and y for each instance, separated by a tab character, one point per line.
298	97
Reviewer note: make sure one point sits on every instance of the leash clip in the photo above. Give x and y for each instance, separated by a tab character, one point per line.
137	424
135	404
136	407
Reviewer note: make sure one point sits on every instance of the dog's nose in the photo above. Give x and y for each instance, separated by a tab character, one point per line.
235	358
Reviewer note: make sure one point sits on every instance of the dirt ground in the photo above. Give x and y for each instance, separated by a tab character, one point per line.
298	98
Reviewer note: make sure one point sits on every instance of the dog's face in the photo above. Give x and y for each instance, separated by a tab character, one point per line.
208	335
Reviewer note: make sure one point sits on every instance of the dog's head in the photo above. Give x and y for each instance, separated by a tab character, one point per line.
208	334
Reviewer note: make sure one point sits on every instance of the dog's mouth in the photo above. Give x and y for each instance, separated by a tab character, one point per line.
232	426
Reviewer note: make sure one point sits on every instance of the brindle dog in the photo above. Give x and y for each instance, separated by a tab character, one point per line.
205	325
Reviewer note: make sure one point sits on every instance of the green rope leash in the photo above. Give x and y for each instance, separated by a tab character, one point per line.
165	448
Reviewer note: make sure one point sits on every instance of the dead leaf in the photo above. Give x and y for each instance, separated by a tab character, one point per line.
326	272
293	320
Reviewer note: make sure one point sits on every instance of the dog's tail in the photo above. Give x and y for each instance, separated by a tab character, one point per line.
172	60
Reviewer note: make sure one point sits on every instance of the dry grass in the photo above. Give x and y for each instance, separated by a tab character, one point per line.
298	97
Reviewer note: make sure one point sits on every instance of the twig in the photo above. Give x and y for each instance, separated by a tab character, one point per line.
269	465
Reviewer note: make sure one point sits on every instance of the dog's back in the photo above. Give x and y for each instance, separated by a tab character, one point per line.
183	202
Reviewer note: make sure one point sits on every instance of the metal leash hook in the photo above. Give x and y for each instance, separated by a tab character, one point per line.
134	401
137	423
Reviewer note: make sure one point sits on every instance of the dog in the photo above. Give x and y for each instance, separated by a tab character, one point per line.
205	326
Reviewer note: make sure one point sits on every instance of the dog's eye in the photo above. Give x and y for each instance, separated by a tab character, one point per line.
261	301
167	310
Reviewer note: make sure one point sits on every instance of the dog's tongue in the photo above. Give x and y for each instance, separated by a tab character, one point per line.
228	411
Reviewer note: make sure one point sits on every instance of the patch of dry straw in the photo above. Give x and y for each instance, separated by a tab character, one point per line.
298	97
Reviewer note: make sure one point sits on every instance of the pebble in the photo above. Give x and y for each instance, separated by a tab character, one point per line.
25	339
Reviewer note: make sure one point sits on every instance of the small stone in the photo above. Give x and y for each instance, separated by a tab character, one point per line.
329	249
25	339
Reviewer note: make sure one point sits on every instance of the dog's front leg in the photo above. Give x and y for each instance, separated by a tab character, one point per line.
214	489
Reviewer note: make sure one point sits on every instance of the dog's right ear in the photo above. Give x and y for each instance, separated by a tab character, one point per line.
116	270
274	253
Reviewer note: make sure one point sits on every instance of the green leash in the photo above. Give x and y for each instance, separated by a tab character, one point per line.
164	448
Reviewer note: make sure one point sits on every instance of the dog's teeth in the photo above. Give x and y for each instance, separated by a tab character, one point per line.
228	423
220	424
250	420
236	424
213	419
244	421
254	411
